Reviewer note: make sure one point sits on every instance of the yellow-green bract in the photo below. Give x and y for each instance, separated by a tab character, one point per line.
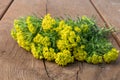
64	41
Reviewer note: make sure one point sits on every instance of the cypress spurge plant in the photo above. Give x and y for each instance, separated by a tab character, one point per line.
64	41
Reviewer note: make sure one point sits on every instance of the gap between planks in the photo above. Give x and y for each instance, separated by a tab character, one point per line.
6	9
106	23
80	66
43	59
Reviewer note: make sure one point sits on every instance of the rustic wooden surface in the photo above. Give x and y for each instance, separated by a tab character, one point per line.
18	64
4	5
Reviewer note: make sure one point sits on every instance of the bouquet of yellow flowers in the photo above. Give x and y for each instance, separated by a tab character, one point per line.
64	41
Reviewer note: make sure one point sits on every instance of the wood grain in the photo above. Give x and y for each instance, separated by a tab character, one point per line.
4	5
15	62
64	8
18	64
79	71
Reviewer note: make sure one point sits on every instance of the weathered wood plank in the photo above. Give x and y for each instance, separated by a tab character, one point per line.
22	8
110	11
77	71
56	72
63	8
4	5
15	62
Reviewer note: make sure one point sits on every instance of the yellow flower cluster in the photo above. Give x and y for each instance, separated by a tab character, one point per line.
45	41
95	59
15	29
19	35
63	41
112	55
63	58
36	50
16	25
31	27
22	42
49	53
84	27
47	22
77	29
68	38
79	53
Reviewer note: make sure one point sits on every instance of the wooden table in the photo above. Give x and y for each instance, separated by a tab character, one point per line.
18	64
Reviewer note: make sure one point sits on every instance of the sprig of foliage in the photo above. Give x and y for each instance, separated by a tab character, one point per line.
63	41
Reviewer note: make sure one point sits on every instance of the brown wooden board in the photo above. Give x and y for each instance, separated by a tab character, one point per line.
78	70
4	5
110	10
15	62
74	9
18	64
